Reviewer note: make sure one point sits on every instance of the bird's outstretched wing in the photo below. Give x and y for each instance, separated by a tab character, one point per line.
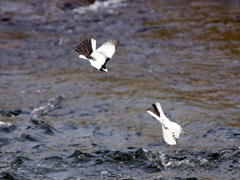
84	48
108	48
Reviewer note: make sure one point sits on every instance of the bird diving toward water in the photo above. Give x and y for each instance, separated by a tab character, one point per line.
99	57
171	130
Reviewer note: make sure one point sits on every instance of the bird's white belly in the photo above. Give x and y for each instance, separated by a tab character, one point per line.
99	60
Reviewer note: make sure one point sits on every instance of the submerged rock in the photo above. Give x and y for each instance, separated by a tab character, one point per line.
81	156
11	113
38	124
7	127
71	4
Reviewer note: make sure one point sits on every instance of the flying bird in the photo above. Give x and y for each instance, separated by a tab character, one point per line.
171	130
99	57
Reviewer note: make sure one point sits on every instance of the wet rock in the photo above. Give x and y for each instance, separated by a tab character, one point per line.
7	176
5	19
10	175
81	156
28	137
53	162
11	113
47	129
152	166
102	152
99	161
71	4
71	178
53	158
140	153
121	156
213	156
19	160
128	156
176	178
7	128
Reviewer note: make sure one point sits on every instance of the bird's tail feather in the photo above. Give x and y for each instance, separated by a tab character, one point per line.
157	112
159	108
153	111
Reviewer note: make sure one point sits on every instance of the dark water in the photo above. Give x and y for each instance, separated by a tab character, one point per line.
70	121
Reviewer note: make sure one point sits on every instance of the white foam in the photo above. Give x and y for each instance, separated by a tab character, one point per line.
5	123
100	5
35	110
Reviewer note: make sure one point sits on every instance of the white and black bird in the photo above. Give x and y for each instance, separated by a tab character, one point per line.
99	57
171	130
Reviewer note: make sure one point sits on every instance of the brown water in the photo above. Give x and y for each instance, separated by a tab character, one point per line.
184	54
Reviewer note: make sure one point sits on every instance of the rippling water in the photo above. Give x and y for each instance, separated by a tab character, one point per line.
184	54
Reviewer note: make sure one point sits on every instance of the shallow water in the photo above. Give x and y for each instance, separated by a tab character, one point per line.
184	54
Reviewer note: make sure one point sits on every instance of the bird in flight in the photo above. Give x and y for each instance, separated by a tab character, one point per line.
171	130
99	57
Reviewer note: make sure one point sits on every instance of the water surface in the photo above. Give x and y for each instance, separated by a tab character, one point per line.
184	54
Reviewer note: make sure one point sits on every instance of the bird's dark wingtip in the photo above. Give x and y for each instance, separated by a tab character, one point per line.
84	47
154	110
